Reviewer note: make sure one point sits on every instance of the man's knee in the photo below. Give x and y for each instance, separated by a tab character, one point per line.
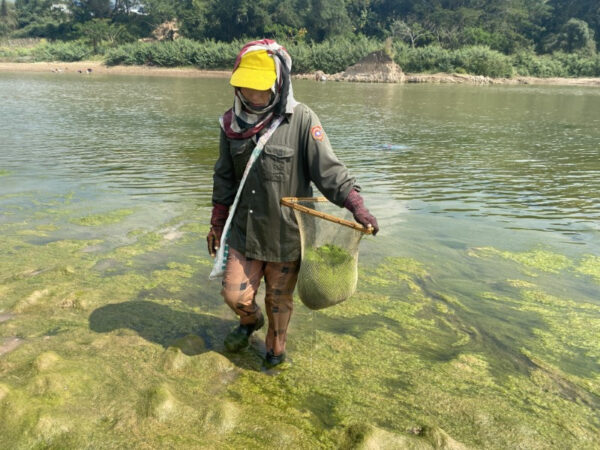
236	297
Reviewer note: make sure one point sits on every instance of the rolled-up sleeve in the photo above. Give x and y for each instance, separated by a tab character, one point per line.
224	183
324	168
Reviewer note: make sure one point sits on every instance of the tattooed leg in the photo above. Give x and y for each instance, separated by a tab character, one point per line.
240	283
280	281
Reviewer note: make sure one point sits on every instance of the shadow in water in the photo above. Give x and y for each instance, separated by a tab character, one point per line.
159	323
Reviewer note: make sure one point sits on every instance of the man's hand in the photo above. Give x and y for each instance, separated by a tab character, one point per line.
217	221
354	203
213	240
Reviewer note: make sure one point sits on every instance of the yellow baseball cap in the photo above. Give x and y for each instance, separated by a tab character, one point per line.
256	71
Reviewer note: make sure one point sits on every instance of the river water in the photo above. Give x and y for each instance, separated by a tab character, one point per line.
493	192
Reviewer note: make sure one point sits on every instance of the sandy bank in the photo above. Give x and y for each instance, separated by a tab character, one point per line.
478	79
97	67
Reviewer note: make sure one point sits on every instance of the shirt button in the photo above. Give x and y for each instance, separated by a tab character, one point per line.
251	211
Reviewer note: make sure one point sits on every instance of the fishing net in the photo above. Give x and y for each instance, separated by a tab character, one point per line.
329	238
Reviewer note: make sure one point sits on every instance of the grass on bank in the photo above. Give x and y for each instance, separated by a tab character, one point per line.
328	56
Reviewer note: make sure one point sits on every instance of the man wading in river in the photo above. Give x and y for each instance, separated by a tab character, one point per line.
264	240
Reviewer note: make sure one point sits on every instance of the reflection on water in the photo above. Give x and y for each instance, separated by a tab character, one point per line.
516	153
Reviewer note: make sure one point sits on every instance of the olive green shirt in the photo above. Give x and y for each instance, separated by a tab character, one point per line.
297	153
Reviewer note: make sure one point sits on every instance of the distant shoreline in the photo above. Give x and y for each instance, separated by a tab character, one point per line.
98	67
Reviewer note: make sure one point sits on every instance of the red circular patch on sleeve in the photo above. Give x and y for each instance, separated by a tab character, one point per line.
317	133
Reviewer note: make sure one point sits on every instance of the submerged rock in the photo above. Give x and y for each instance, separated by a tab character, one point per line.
26	303
45	361
368	437
5	316
215	363
4	390
174	359
160	403
190	344
49	427
9	344
51	385
439	439
223	417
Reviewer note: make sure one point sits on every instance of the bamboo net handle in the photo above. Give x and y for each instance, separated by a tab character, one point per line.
292	202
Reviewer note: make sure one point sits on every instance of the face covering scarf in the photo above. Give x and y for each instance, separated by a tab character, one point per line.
244	120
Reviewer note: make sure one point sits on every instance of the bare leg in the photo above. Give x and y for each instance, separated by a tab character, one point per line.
280	281
240	283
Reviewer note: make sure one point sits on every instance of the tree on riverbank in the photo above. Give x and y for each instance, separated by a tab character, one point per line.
533	37
7	18
507	26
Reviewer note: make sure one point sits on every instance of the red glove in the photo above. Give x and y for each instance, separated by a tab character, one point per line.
354	203
217	222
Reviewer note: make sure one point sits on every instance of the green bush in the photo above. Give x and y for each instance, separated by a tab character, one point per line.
182	52
530	64
559	64
328	56
216	55
132	54
476	60
331	56
423	59
479	60
579	64
61	51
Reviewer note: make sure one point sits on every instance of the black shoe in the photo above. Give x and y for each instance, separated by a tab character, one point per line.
237	339
272	360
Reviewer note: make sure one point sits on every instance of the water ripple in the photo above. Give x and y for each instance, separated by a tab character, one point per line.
517	154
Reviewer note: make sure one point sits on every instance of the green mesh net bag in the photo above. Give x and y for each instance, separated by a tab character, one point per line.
329	269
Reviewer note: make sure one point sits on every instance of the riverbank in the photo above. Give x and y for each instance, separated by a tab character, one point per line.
97	67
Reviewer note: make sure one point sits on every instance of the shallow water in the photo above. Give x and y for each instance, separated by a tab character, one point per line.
478	307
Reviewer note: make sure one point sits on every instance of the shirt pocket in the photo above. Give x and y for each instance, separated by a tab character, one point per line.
276	162
240	154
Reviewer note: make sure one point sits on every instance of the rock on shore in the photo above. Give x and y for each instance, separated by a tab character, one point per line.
376	67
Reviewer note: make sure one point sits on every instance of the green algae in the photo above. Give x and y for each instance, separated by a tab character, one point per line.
130	357
590	265
539	259
143	242
196	227
328	276
520	284
394	271
111	217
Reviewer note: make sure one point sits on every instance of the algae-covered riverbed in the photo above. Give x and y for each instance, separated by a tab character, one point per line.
476	322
